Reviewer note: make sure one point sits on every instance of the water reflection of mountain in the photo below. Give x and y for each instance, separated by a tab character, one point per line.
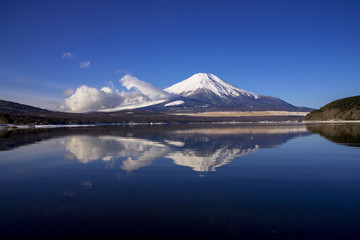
348	134
202	148
205	149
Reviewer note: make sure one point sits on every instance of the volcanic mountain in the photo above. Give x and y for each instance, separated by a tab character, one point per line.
205	91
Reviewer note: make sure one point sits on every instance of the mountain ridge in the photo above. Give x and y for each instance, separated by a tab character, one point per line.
207	92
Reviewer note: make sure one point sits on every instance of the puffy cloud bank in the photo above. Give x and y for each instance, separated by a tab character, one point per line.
86	99
147	89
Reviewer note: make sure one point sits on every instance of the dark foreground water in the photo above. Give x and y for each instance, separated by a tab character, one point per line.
181	182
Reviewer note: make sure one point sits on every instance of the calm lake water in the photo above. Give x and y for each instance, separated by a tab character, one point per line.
181	182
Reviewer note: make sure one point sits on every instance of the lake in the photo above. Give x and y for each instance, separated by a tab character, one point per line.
181	182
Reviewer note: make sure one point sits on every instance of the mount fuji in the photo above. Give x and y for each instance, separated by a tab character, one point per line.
207	83
205	91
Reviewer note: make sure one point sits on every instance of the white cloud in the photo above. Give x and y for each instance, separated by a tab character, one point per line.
87	99
68	92
107	90
68	55
147	89
107	99
85	64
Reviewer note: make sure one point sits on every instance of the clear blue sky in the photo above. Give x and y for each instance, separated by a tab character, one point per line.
304	52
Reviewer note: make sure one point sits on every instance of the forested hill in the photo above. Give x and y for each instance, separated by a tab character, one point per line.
13	107
12	112
342	109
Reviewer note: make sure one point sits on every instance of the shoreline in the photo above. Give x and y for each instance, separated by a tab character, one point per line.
9	127
332	121
14	126
242	114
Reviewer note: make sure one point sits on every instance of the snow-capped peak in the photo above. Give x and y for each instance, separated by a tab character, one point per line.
209	82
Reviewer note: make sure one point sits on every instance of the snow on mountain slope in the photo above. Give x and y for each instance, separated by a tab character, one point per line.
175	103
208	162
208	82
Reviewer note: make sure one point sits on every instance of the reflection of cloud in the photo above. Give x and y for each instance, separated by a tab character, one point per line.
204	163
144	159
87	184
70	193
175	143
87	149
69	156
137	152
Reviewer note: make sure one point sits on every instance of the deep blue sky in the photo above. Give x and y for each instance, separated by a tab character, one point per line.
304	52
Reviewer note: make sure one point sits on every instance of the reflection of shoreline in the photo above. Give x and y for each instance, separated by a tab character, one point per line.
348	134
247	130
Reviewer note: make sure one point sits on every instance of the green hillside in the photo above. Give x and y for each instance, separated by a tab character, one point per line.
342	109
